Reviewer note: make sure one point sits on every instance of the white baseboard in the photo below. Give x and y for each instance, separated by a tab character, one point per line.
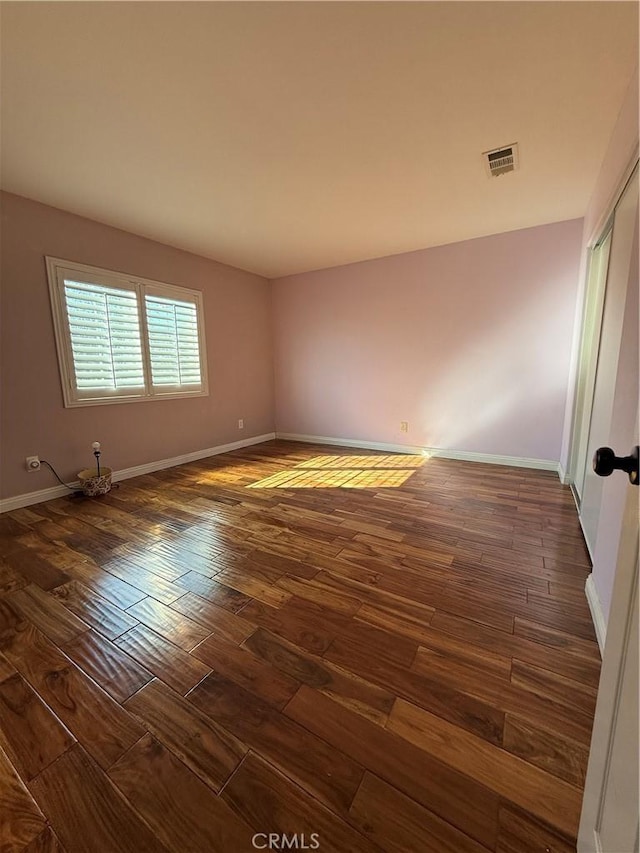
596	612
28	498
7	504
593	600
150	467
349	442
493	459
584	535
487	458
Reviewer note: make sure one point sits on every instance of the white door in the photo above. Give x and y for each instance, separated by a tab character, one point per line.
610	515
609	821
603	500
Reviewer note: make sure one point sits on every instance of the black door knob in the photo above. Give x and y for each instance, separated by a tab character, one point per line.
605	462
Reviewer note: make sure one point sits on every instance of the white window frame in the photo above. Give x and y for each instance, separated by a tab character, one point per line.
57	270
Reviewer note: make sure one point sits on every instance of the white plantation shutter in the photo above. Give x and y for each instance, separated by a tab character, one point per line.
174	350
105	339
120	339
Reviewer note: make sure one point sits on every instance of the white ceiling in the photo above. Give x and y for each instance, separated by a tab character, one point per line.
282	137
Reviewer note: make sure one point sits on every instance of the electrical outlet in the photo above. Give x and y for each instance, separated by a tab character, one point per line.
33	464
240	423
404	426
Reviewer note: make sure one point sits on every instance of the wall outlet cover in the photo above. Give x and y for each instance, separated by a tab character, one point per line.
33	463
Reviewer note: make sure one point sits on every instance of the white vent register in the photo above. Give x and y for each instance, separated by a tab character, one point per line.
501	160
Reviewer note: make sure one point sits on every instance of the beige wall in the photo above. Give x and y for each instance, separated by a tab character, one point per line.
33	418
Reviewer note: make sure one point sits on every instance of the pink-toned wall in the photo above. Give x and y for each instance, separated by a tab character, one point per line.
33	417
469	343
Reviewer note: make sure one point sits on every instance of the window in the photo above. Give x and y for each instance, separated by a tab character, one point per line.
121	338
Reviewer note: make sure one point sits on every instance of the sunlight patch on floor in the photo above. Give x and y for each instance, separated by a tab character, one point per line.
345	472
361	462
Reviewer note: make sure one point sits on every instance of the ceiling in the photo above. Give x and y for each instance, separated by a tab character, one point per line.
283	137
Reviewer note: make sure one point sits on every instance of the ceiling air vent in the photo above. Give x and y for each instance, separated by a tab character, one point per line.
501	160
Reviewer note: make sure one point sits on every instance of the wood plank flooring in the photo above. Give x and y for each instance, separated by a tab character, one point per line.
392	652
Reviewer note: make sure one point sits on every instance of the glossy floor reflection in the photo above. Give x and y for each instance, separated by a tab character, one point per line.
189	660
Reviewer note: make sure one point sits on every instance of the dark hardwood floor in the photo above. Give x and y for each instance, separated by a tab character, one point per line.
392	652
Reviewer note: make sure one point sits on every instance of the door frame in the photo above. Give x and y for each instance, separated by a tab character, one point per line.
588	352
584	407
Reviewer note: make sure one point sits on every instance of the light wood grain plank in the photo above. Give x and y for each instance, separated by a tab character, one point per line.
527	786
183	812
398	824
368	699
171	664
117	673
36	569
322	770
30	733
46	842
100	614
266	798
173	626
451	795
21	820
48	614
560	756
521	833
204	746
102	726
223	623
87	812
253	672
217	593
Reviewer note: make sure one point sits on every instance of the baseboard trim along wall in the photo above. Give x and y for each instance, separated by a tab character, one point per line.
487	458
7	504
596	612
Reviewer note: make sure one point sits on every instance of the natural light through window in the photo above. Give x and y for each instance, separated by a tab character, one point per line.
124	339
395	461
345	472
